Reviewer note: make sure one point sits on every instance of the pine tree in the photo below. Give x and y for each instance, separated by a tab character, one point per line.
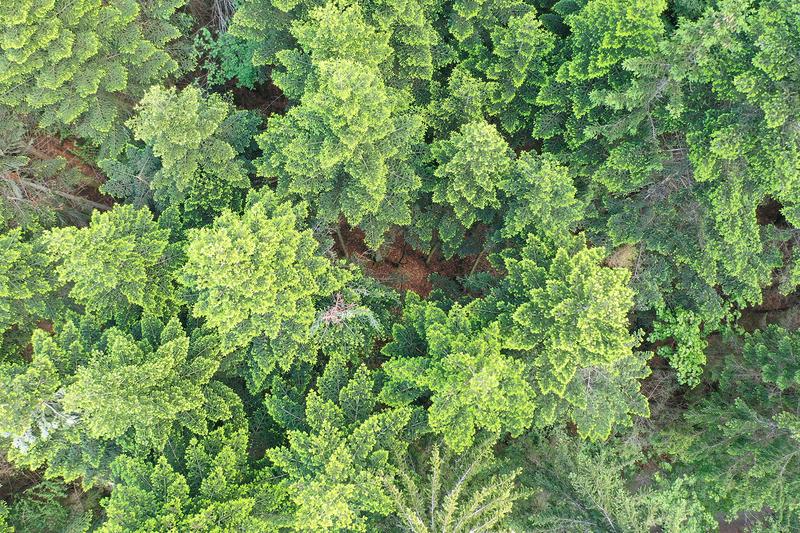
74	66
742	441
461	492
540	198
213	488
90	392
24	281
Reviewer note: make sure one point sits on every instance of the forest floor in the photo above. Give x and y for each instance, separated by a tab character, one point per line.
49	147
403	267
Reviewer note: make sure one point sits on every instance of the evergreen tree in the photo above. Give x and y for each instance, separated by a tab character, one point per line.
348	148
199	142
472	384
570	315
121	263
88	393
463	492
212	488
335	469
74	66
473	167
742	441
258	277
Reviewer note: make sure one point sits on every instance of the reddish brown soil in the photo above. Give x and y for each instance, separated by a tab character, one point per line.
403	267
47	147
267	99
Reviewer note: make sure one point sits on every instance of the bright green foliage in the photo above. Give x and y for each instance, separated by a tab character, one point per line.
461	493
23	280
472	384
199	141
605	32
4	525
688	357
335	471
348	148
572	317
71	65
142	386
85	389
120	263
541	200
214	490
258	276
473	166
268	26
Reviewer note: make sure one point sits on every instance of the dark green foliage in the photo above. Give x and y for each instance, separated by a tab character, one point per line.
228	58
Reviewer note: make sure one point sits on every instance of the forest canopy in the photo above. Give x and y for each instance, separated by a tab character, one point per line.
399	265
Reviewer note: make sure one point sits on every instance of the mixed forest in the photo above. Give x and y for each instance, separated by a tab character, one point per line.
434	266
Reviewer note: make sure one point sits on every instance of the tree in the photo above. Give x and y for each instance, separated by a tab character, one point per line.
258	277
518	69
335	469
472	384
89	393
472	167
121	263
540	198
74	66
24	283
569	315
212	487
268	27
199	141
742	441
583	486
461	492
348	148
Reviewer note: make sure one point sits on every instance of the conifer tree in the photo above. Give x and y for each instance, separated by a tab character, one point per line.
24	281
460	492
335	469
258	277
473	166
75	65
199	142
212	487
570	314
746	454
121	263
473	386
348	148
88	393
